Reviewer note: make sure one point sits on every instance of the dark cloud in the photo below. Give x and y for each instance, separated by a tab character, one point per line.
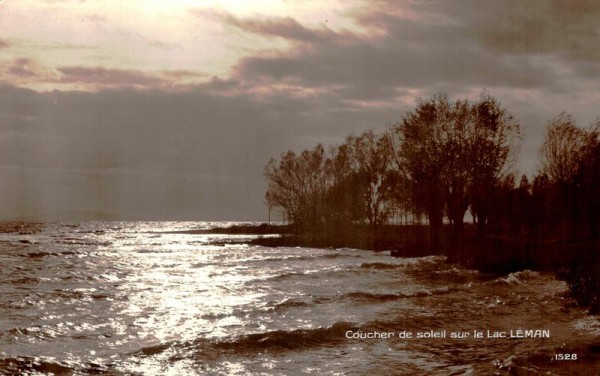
4	44
109	78
537	56
493	44
567	28
375	71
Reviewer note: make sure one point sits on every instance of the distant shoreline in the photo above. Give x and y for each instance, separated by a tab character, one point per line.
21	227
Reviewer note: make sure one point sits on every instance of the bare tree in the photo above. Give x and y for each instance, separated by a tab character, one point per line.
564	146
569	156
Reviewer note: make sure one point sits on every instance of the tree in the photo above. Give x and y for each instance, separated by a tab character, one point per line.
298	184
590	181
564	146
491	144
567	159
454	154
420	158
456	147
371	160
524	216
343	197
541	204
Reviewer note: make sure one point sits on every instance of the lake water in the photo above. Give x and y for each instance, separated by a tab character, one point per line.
132	298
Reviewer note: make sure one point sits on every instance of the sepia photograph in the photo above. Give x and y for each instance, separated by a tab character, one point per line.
316	187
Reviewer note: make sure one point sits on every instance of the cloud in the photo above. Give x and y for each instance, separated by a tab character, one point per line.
24	71
28	71
4	44
540	57
104	78
570	29
284	27
430	44
23	68
181	75
110	78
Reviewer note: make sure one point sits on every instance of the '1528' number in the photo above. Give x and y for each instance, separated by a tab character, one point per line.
565	357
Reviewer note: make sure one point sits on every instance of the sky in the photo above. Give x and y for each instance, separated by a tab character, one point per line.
169	110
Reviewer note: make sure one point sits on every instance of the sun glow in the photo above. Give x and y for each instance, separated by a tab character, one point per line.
153	43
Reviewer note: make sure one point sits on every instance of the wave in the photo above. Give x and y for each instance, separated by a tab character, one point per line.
36	365
102	296
339	255
26	281
277	340
281	258
214	316
328	256
368	297
288	303
201	264
519	277
288	340
156	349
84	242
312	273
23	365
380	265
434	268
40	332
285	276
45	254
153	251
374	297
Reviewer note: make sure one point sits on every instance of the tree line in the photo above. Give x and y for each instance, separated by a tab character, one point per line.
443	159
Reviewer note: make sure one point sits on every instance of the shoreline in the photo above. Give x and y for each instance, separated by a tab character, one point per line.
576	261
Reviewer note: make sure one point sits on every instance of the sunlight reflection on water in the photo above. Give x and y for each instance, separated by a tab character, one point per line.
127	297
